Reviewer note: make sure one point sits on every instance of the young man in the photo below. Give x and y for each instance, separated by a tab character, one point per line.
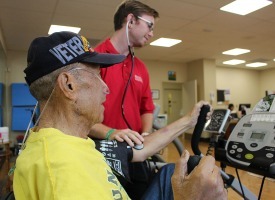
129	107
59	160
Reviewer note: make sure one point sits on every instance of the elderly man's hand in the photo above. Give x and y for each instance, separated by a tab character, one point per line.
194	114
204	182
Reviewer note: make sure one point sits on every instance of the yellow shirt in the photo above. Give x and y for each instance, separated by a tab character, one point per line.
58	166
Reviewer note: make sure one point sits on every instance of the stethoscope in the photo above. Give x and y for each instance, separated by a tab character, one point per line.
131	51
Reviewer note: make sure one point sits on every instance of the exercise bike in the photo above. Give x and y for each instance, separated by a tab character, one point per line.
250	146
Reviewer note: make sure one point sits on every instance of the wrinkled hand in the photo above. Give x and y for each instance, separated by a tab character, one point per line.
204	182
194	114
127	135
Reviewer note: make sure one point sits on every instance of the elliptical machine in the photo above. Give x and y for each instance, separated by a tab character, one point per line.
250	146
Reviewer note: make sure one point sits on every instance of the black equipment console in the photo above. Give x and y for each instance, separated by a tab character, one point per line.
218	121
252	143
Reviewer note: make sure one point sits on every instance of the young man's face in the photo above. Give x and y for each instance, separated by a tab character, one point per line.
142	30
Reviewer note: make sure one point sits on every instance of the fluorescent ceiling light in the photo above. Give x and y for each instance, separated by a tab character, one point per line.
58	28
165	42
236	51
256	64
233	62
274	59
244	7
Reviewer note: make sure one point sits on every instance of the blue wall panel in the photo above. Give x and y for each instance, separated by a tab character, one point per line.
21	117
21	95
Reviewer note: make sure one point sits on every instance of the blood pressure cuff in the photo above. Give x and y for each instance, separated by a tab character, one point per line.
118	156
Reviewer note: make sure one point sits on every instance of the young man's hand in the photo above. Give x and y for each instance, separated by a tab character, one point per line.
127	135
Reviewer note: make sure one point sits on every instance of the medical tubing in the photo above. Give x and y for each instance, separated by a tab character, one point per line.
131	51
29	125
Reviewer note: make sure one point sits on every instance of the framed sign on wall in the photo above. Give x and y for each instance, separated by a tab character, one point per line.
155	94
172	76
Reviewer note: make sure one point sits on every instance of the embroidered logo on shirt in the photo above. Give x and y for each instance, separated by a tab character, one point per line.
138	78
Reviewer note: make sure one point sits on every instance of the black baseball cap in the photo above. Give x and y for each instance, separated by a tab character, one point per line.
47	54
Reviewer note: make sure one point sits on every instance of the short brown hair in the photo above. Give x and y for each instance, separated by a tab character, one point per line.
131	6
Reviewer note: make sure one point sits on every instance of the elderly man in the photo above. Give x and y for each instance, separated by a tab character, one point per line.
59	160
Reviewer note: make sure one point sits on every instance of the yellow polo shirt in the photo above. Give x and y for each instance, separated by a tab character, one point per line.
58	166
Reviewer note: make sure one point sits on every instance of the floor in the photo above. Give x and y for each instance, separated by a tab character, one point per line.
251	181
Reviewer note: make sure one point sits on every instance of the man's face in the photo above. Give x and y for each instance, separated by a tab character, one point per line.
92	92
143	30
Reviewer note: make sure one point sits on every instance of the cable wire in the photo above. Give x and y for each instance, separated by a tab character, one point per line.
131	51
261	189
240	183
126	88
211	147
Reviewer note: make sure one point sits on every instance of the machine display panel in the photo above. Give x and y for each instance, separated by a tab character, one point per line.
257	135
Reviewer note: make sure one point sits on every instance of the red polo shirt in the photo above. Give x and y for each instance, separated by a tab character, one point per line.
138	97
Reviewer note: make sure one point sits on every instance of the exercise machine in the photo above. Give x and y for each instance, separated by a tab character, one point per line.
219	123
250	146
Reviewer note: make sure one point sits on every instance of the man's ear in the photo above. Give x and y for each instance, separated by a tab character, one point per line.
130	18
67	84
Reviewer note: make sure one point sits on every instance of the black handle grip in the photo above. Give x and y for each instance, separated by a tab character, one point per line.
192	163
198	129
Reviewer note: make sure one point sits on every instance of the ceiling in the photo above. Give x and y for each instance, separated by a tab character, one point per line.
205	31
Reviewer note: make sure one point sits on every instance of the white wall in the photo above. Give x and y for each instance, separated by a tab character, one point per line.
159	73
267	80
2	64
17	62
244	84
2	57
204	71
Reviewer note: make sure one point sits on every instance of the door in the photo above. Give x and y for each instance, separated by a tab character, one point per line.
172	101
179	99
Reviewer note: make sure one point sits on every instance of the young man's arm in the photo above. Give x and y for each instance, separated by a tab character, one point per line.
147	123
